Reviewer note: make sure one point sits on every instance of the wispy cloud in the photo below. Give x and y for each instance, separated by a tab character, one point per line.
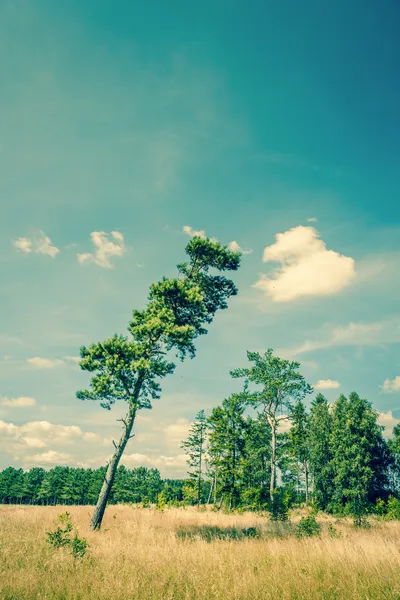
40	245
44	363
378	333
307	267
21	402
105	248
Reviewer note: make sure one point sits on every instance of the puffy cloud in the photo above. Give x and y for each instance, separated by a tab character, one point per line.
44	363
391	386
194	232
23	244
40	245
307	267
21	402
20	440
388	421
177	432
327	384
105	248
234	246
355	334
49	458
160	462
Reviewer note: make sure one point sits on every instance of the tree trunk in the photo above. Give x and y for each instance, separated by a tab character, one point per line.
273	461
112	469
306	480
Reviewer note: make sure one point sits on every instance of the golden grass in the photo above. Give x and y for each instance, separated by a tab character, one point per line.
137	555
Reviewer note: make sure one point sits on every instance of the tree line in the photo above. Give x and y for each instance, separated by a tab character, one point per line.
333	455
67	485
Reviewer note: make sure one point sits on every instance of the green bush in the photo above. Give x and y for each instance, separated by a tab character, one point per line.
308	527
61	537
278	507
333	532
393	509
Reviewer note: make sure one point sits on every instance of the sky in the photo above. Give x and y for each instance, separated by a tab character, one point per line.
125	129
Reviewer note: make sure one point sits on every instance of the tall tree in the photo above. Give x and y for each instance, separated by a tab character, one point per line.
321	450
195	447
278	385
226	447
129	369
359	453
394	447
298	438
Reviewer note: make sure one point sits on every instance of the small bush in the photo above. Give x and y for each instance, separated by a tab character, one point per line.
61	537
393	509
278	507
308	527
361	522
333	532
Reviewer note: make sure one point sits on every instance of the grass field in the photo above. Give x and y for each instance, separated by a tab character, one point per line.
144	554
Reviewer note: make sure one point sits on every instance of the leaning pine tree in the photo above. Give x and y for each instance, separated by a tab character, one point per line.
129	368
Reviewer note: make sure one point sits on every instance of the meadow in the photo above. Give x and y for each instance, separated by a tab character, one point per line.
184	554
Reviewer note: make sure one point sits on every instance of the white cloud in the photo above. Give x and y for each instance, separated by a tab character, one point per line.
23	244
105	248
307	267
44	363
391	386
388	421
312	220
194	232
160	462
177	432
41	245
44	246
21	402
327	384
377	333
49	458
234	246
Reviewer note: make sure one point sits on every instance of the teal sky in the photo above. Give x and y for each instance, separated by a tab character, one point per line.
243	120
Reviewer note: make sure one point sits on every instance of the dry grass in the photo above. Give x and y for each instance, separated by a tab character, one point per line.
137	555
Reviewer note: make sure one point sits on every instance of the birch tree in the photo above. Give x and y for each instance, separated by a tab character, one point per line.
277	386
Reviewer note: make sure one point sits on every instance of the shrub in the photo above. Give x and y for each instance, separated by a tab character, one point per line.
333	532
393	509
61	537
278	507
308	527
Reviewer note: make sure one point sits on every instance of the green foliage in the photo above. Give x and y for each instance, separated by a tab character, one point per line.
279	510
62	537
195	447
308	527
277	386
210	533
333	532
393	509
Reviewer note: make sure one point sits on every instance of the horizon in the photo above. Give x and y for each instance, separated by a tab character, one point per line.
124	136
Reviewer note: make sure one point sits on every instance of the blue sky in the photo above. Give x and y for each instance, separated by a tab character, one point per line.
241	120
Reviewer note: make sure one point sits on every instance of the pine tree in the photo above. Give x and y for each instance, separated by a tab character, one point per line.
130	368
226	448
298	441
321	451
195	447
